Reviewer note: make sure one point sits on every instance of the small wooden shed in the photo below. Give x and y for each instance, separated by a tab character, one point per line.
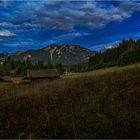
42	74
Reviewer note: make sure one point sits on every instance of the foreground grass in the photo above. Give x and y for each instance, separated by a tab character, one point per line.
103	105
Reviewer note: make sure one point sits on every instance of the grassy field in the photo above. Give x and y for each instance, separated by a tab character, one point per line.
99	104
101	71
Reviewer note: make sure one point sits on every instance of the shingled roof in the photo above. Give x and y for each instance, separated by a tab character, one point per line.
48	73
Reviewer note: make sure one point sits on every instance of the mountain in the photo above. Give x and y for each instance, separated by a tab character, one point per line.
65	54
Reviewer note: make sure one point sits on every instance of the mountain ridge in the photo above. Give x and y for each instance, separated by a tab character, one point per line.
66	54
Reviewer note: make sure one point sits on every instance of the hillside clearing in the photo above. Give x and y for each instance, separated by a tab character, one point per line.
100	71
105	105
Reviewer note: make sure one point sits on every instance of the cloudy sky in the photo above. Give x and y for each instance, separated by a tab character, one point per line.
32	24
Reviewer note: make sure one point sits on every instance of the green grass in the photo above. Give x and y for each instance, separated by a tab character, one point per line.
98	104
100	71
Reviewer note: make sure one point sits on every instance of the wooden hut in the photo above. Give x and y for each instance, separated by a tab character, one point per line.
41	74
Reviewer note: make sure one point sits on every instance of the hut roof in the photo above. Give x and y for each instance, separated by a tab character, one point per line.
48	73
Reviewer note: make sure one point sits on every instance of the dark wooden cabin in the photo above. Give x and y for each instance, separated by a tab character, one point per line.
41	74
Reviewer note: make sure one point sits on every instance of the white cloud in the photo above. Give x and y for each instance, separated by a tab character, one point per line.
65	15
105	46
89	5
6	33
89	14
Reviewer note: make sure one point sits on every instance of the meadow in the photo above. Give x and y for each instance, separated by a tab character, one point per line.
99	104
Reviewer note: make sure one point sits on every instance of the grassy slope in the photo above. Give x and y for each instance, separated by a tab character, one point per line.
101	71
99	104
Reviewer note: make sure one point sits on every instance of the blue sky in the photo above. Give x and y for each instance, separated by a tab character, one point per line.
32	24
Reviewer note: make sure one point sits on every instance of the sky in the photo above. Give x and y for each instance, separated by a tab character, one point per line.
33	24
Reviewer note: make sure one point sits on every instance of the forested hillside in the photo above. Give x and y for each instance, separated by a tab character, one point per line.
127	52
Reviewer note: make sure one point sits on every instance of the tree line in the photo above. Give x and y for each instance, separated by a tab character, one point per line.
126	52
10	67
